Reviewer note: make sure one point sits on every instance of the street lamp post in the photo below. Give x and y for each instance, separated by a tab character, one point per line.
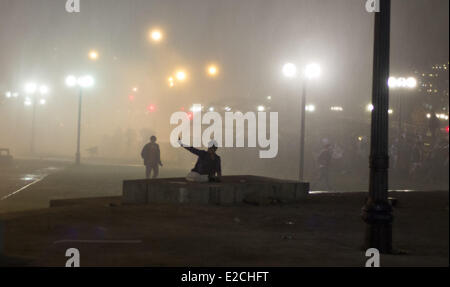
32	89
312	71
377	212
82	82
302	131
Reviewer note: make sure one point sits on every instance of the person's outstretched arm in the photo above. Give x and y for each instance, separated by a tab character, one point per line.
191	149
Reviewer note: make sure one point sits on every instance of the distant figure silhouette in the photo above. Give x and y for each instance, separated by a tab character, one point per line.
208	166
152	158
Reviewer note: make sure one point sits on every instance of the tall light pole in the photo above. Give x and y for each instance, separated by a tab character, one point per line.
312	71
81	82
377	212
31	89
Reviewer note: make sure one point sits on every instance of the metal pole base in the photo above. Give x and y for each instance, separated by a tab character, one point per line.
378	217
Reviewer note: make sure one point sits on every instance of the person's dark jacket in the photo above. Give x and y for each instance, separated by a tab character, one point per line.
205	164
151	154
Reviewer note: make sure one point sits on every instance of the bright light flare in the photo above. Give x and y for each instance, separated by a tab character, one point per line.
261	108
369	107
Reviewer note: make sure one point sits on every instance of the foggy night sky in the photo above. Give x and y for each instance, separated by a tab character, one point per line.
249	39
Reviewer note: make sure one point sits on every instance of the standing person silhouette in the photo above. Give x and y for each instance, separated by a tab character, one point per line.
152	158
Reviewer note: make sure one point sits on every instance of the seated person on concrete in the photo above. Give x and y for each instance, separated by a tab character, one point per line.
208	167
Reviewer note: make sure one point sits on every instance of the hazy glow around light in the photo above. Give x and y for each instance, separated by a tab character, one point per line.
261	108
86	81
8	94
30	88
156	35
289	70
213	70
312	71
369	107
310	108
93	55
181	75
42	101
43	90
337	109
390	111
28	102
71	81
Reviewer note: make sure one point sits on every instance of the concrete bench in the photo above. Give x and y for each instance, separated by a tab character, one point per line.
232	190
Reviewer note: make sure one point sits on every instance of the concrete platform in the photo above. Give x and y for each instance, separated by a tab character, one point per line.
232	190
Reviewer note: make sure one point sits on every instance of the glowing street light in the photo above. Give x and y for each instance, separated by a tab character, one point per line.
171	82
30	88
310	108
289	70
401	82
261	108
93	55
369	108
312	71
337	109
181	75
10	94
212	70
156	35
82	82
